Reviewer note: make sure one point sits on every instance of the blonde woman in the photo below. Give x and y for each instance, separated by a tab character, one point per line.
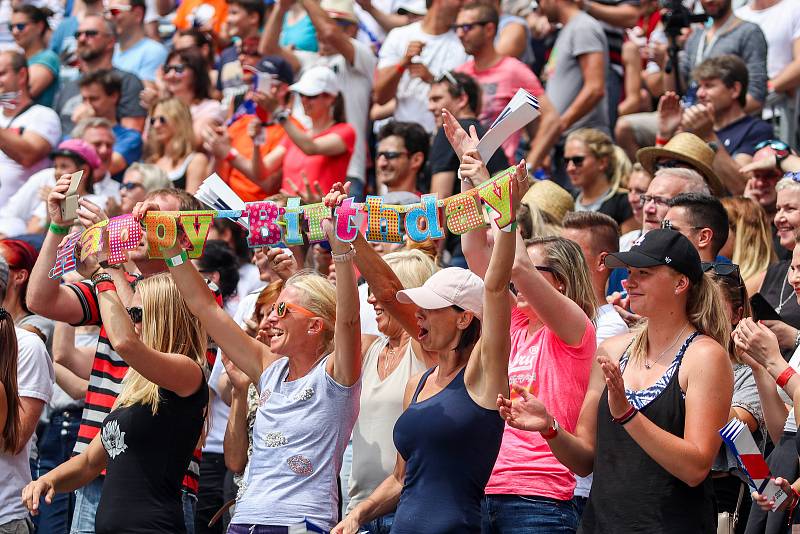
147	440
596	167
749	242
170	145
648	427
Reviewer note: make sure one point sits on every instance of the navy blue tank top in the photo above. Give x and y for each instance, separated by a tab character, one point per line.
450	444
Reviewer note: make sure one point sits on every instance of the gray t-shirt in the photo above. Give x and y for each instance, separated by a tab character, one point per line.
742	39
69	97
582	35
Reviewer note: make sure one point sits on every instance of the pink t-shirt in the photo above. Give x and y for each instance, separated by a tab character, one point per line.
558	375
500	83
327	170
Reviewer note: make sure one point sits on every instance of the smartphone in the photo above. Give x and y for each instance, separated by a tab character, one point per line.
763	310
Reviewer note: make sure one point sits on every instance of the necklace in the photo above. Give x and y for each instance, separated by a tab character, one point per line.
651	364
389	360
783	287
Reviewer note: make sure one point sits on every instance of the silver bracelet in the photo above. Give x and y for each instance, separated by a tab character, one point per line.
344	257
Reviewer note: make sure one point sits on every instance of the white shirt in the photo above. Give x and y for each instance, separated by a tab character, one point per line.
781	26
441	53
19	209
35	377
40	120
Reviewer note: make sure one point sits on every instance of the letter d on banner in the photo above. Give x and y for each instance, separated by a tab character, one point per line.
429	212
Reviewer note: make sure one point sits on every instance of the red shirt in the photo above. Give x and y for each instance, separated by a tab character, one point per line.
326	170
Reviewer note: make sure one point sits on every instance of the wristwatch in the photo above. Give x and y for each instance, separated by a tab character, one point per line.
281	116
551	431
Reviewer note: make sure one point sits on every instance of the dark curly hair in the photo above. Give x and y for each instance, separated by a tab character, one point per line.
218	257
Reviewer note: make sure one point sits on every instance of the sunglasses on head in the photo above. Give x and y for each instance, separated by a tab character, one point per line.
575	160
117	10
162	120
775	144
721	269
281	308
19	26
178	68
135	313
448	77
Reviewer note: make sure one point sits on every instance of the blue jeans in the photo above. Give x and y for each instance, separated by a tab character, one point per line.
189	503
86	500
380	525
55	448
580	505
501	514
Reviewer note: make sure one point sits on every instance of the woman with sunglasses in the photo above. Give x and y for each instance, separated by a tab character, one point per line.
731	493
30	30
449	435
163	401
185	75
171	145
596	167
139	180
309	387
648	427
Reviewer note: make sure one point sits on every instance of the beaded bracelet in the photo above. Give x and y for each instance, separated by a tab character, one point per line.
344	257
58	229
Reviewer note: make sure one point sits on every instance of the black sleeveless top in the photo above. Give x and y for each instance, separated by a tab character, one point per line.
631	493
774	281
147	458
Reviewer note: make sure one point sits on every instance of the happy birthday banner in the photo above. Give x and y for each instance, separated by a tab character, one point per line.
272	225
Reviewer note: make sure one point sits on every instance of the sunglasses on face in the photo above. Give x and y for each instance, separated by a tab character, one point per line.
19	26
280	308
87	33
130	186
135	313
160	119
575	160
252	52
467	26
390	154
178	69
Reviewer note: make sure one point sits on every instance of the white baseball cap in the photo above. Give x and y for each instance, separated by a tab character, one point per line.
315	81
453	286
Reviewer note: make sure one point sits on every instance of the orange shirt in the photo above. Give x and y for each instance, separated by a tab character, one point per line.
237	132
200	13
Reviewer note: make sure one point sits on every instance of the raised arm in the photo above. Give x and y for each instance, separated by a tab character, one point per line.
248	354
174	372
560	313
345	366
330	144
328	30
77	359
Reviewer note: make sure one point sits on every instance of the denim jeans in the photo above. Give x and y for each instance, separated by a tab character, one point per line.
189	504
55	448
380	525
210	495
86	500
502	514
580	505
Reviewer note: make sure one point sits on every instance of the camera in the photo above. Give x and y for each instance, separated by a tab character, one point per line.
677	16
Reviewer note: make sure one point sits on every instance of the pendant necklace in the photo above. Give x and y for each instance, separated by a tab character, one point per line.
651	364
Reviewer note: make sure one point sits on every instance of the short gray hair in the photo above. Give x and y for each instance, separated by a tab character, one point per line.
786	183
92	122
153	177
695	183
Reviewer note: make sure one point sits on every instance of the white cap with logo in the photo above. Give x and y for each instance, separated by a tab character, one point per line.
453	286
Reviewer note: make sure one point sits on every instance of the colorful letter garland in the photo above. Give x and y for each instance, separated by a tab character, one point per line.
271	224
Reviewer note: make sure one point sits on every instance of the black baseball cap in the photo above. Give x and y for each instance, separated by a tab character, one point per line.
278	67
661	247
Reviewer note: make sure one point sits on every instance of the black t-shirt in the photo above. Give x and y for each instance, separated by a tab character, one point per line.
443	159
617	207
147	458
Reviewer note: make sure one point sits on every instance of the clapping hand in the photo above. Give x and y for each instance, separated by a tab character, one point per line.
526	412
461	141
618	403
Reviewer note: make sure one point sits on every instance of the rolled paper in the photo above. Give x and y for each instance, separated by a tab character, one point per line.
428	213
463	213
497	195
314	214
91	241
264	228
383	222
293	234
162	230
124	233
65	256
196	225
346	228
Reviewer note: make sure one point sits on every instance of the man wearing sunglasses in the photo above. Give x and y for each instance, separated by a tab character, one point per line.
135	52
95	47
402	151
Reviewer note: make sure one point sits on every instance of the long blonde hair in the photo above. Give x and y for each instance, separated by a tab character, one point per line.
752	249
618	166
167	326
705	310
179	118
566	258
317	295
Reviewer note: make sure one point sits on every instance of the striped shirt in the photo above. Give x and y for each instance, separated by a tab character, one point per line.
615	35
105	381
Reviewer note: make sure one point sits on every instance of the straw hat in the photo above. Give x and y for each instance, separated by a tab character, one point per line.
550	198
688	148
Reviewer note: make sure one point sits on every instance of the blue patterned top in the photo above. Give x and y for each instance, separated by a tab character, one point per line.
640	399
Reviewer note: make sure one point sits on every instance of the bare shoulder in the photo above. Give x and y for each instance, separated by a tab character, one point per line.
705	352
